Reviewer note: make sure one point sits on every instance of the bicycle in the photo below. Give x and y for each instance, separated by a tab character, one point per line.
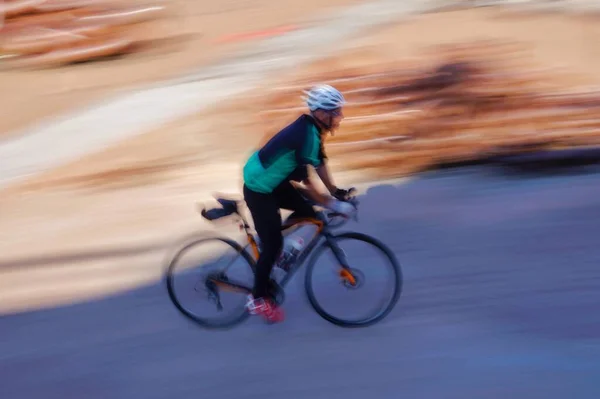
214	283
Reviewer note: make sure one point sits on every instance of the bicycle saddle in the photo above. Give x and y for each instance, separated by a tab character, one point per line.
229	207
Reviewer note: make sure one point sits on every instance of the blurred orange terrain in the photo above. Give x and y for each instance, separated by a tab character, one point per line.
48	33
456	103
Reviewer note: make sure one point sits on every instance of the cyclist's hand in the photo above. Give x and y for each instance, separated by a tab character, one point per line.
341	207
343	195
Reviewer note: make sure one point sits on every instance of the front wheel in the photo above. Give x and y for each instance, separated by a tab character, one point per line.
373	269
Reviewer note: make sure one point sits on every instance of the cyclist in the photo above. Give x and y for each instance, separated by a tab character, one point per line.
271	182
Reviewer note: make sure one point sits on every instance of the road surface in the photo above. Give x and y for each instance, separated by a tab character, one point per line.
501	300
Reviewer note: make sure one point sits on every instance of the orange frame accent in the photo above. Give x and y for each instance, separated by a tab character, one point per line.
226	287
346	275
254	246
303	221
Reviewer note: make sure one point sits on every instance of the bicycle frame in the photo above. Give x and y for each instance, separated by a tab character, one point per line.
318	241
322	232
220	280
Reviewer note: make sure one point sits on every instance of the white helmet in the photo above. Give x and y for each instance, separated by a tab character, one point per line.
323	97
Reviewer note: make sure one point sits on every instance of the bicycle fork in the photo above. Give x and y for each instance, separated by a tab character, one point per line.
345	272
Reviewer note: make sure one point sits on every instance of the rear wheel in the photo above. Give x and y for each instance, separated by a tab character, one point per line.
373	269
189	283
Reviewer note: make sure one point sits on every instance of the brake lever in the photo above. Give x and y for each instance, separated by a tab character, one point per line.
355	217
354	202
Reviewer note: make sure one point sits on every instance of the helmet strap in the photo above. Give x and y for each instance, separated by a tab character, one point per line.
326	126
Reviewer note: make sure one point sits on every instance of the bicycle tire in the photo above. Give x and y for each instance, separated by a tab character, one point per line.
397	290
236	319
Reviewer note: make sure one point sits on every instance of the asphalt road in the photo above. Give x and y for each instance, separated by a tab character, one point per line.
501	300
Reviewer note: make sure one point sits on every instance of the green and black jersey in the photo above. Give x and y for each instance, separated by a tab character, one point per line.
285	156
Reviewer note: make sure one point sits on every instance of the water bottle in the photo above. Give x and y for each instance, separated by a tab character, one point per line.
292	246
294	243
291	249
306	232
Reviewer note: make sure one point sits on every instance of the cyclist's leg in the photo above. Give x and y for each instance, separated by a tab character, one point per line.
289	198
265	213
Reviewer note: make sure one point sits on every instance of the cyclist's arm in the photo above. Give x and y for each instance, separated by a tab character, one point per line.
310	152
310	191
323	170
325	176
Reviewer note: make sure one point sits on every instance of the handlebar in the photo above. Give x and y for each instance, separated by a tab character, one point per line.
328	215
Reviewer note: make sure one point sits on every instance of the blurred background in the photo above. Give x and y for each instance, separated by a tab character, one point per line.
119	115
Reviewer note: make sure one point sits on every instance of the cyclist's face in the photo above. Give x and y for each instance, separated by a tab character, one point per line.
337	115
333	118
